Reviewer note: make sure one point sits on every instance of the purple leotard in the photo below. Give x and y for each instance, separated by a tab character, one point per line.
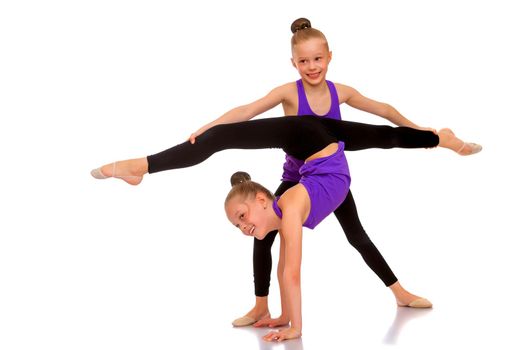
327	181
292	165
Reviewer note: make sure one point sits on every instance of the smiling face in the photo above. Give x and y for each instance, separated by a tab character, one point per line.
251	215
311	58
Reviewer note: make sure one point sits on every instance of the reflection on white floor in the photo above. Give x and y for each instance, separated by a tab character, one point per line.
258	333
403	316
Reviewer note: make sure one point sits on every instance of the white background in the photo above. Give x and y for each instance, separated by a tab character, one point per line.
88	264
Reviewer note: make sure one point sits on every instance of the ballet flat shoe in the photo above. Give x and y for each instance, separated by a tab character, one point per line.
97	174
475	148
243	321
420	303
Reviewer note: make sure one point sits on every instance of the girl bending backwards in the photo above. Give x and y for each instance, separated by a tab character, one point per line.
323	186
312	94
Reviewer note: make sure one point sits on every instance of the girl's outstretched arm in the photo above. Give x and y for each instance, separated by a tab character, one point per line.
355	99
244	112
295	206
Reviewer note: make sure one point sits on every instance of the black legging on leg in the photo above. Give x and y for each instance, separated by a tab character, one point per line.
262	253
347	216
300	137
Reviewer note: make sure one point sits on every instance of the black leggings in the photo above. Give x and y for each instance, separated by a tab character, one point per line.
299	137
347	216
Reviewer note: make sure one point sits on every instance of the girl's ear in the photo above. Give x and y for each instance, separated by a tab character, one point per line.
261	198
329	56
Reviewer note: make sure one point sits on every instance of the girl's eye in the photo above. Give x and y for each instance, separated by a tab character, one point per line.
242	216
318	58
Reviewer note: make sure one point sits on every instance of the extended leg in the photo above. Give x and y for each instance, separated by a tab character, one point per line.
347	216
359	136
299	137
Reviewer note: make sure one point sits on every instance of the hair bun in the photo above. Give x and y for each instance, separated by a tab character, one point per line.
299	24
238	177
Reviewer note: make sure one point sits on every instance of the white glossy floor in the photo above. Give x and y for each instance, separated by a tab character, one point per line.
88	264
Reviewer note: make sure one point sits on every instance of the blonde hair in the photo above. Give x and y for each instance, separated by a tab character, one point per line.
243	186
302	31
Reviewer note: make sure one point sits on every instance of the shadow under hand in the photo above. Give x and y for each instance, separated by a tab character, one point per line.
292	344
403	316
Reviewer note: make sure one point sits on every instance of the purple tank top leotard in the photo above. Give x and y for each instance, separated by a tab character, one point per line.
292	165
327	181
